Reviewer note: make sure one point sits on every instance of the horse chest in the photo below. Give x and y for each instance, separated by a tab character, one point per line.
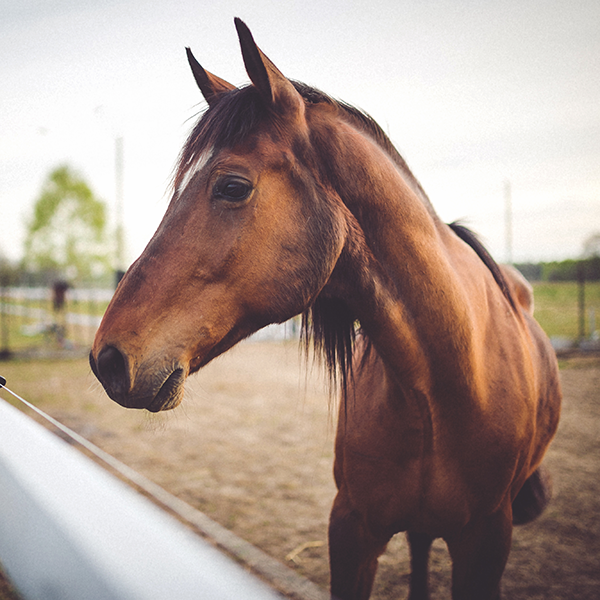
401	472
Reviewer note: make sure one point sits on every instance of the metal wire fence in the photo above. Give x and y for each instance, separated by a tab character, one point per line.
34	321
34	324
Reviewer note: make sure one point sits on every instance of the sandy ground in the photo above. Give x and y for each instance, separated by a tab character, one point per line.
252	447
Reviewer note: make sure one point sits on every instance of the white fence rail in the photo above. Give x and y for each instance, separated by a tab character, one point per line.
71	531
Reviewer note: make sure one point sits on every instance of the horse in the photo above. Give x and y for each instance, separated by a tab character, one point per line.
287	202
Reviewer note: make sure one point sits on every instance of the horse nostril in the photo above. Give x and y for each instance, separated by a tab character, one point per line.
111	369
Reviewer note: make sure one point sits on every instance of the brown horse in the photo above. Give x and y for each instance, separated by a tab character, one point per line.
287	202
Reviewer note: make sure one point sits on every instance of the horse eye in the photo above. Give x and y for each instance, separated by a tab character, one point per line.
232	189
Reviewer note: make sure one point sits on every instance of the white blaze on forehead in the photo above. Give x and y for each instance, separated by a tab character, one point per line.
196	166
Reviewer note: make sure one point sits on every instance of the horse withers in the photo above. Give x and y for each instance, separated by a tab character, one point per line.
288	202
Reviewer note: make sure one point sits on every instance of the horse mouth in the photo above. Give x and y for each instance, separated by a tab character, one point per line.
170	393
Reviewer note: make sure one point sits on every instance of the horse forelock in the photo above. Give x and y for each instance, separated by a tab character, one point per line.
230	121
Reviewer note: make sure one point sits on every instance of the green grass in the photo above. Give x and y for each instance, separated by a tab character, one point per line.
557	307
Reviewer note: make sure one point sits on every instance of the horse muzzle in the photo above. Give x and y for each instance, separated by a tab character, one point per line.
154	388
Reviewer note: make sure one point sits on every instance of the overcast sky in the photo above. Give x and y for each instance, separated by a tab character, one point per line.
473	94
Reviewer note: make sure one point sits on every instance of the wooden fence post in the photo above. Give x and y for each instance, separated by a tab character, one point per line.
581	298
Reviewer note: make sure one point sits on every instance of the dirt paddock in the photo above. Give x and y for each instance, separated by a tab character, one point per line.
252	447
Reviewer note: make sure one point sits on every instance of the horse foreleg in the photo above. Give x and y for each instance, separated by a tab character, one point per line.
353	553
479	554
420	544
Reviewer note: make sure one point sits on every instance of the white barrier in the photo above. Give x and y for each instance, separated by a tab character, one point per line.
71	531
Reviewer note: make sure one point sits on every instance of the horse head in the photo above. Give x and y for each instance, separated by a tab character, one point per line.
250	237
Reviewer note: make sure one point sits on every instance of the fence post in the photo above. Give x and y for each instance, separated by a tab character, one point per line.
581	298
5	352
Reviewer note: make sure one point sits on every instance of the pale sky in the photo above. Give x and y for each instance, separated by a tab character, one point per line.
472	93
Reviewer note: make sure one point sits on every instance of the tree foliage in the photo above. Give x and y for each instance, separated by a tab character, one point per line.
572	269
591	246
564	270
67	231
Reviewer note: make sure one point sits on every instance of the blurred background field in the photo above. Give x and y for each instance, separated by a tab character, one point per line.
32	327
31	323
557	309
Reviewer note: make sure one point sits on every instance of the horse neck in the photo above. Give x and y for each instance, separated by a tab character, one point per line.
396	273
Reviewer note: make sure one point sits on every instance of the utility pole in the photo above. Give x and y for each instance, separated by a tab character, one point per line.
508	221
120	230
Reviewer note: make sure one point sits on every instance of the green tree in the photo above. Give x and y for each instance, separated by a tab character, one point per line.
591	246
67	233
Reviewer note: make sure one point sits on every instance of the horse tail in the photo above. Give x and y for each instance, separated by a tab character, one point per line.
533	497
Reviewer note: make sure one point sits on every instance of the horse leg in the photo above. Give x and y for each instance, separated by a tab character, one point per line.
479	553
533	497
353	553
420	544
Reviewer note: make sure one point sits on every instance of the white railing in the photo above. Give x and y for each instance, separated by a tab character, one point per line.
71	531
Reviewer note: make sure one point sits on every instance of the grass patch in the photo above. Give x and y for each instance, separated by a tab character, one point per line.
557	307
49	383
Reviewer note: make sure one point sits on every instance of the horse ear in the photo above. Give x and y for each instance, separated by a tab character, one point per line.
275	88
210	85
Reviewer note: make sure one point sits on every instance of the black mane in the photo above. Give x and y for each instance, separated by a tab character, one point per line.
466	235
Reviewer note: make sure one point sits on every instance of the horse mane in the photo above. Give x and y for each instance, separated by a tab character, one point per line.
328	324
330	328
466	235
365	123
